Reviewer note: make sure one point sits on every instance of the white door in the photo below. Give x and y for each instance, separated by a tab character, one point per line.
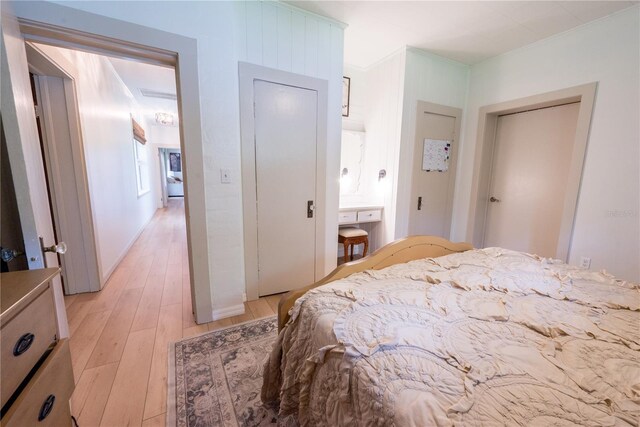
68	187
530	168
285	148
23	147
432	189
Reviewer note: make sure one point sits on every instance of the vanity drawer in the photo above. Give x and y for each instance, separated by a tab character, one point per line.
25	338
45	400
368	216
347	217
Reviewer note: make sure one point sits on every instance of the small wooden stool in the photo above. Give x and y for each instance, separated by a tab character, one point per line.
351	236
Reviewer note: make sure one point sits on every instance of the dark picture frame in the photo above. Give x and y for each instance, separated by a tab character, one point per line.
175	165
346	95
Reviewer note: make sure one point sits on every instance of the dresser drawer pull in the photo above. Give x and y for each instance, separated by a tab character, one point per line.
23	344
47	406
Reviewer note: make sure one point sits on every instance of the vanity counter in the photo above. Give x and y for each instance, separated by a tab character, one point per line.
358	214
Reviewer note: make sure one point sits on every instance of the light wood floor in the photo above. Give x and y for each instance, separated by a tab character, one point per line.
120	335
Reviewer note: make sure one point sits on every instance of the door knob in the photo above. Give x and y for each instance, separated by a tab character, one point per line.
60	248
9	254
494	200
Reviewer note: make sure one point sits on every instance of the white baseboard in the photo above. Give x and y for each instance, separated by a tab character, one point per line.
221	313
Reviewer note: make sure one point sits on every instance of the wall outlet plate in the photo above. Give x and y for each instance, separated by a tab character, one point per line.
585	262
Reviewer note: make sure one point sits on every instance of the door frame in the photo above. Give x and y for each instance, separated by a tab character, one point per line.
43	66
483	162
424	107
71	28
248	73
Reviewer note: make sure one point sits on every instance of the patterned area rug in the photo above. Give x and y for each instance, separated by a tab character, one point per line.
215	378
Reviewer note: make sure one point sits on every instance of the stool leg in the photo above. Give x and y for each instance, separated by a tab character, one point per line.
366	246
346	251
352	246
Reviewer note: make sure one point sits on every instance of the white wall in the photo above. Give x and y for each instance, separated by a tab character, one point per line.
358	98
607	224
106	106
383	120
433	79
270	34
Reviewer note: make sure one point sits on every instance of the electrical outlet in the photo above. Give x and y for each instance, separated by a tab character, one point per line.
225	176
585	262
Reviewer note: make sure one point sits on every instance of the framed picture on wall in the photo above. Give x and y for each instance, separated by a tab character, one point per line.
174	162
346	94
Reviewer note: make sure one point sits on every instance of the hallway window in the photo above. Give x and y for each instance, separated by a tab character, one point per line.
142	167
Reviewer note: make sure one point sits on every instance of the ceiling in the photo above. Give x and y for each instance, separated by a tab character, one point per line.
464	31
139	77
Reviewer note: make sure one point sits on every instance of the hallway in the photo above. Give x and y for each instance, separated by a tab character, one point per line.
120	335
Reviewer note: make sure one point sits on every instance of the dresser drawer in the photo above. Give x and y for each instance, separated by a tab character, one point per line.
367	216
45	400
347	217
24	339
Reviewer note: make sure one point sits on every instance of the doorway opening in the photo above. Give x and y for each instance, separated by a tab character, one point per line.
127	115
53	26
484	175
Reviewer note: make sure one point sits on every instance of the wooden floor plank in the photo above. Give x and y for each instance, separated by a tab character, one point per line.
219	324
172	291
111	343
260	308
69	300
76	314
158	421
240	318
273	301
149	307
192	331
140	272
125	405
83	341
107	298
169	330
91	394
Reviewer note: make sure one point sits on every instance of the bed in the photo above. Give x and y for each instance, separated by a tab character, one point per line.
426	332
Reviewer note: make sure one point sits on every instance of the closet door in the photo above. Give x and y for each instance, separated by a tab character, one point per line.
286	119
529	177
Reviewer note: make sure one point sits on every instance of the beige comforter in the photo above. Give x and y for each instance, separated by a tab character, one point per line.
484	337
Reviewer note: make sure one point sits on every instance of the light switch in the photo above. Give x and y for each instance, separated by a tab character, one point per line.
225	176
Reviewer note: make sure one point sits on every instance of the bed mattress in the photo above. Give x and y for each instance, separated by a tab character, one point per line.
483	337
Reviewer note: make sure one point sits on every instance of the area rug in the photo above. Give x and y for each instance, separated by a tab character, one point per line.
215	378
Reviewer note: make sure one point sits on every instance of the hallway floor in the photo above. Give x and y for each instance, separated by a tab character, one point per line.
120	335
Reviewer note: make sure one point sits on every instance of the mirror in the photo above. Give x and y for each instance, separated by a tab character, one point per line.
351	161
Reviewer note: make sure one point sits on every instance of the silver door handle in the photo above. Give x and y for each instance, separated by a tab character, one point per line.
494	200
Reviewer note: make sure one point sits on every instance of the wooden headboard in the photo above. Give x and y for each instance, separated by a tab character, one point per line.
400	251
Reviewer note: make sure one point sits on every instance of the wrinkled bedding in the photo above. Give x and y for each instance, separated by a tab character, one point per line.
483	337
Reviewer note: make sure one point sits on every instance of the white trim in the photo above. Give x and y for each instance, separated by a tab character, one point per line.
222	313
248	73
